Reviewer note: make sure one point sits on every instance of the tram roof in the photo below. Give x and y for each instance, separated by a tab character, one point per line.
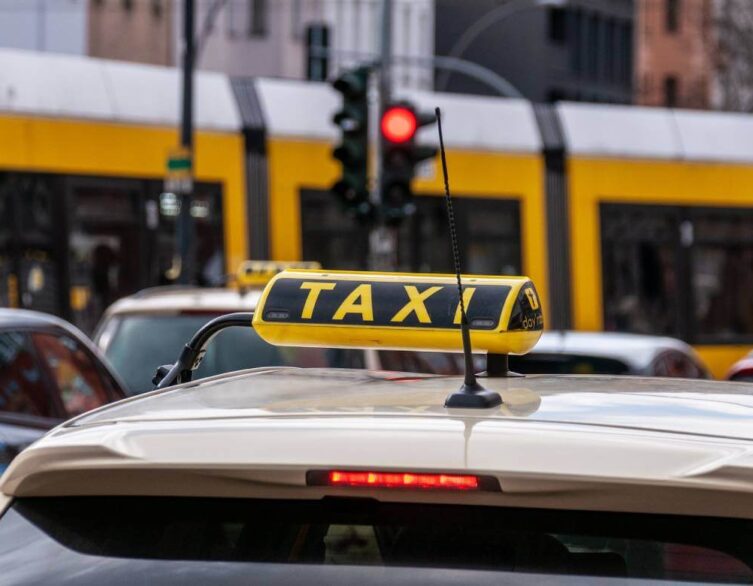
52	85
656	133
469	122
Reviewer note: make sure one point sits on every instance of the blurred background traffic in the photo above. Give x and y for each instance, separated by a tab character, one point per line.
602	147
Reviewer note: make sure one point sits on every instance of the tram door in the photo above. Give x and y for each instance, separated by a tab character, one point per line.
32	243
106	247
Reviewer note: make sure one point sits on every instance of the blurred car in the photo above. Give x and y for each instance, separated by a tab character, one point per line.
742	370
570	352
49	372
144	331
139	333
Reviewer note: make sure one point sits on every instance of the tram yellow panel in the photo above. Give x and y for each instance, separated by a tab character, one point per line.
720	358
593	181
596	181
124	150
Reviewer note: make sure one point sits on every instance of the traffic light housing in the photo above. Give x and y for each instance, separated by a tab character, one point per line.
352	188
400	155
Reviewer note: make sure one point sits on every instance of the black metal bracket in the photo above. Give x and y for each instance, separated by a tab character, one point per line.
498	366
193	353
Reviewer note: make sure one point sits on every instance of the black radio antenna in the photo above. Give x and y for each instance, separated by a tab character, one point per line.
471	394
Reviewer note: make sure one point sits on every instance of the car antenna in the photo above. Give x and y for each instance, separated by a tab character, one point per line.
471	394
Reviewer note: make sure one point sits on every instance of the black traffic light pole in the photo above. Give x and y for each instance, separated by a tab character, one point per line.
184	228
387	200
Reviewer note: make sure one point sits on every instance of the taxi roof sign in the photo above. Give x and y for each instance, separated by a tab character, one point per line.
344	309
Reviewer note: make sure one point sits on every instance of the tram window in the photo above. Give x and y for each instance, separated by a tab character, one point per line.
639	270
722	274
489	230
686	272
329	235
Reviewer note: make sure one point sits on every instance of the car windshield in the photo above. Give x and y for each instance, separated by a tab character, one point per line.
141	343
98	539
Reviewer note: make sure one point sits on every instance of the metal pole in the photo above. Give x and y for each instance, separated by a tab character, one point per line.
385	85
184	229
382	239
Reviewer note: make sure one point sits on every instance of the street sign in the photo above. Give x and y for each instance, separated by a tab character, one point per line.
179	172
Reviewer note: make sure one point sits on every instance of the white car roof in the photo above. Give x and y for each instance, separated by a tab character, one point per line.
176	299
635	350
605	443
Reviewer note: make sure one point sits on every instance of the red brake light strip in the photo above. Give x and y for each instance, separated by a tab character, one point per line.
403	480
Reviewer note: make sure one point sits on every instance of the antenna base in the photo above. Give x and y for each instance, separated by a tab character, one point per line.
473	397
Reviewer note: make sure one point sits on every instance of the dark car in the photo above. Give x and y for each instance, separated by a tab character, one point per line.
49	372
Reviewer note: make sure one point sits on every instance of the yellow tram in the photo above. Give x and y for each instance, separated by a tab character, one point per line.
627	218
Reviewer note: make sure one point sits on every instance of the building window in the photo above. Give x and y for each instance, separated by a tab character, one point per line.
680	271
257	27
555	95
670	91
557	25
157	8
626	53
672	15
576	47
127	5
317	58
593	46
246	18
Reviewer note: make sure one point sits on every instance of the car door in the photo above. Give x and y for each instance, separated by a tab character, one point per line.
79	382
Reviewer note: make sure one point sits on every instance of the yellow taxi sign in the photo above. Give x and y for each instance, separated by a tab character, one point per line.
258	272
344	309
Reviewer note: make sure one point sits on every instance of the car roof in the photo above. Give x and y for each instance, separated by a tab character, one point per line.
174	299
25	318
273	425
637	351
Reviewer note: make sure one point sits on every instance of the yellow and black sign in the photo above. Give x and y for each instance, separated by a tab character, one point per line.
398	310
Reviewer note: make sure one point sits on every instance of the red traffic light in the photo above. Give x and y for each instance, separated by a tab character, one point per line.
399	124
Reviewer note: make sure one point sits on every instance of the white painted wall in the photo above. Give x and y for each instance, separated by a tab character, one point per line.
56	26
354	30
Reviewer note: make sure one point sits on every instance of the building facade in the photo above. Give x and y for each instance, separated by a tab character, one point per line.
675	53
271	38
141	31
579	50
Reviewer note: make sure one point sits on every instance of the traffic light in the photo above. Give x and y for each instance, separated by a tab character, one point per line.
400	155
352	189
